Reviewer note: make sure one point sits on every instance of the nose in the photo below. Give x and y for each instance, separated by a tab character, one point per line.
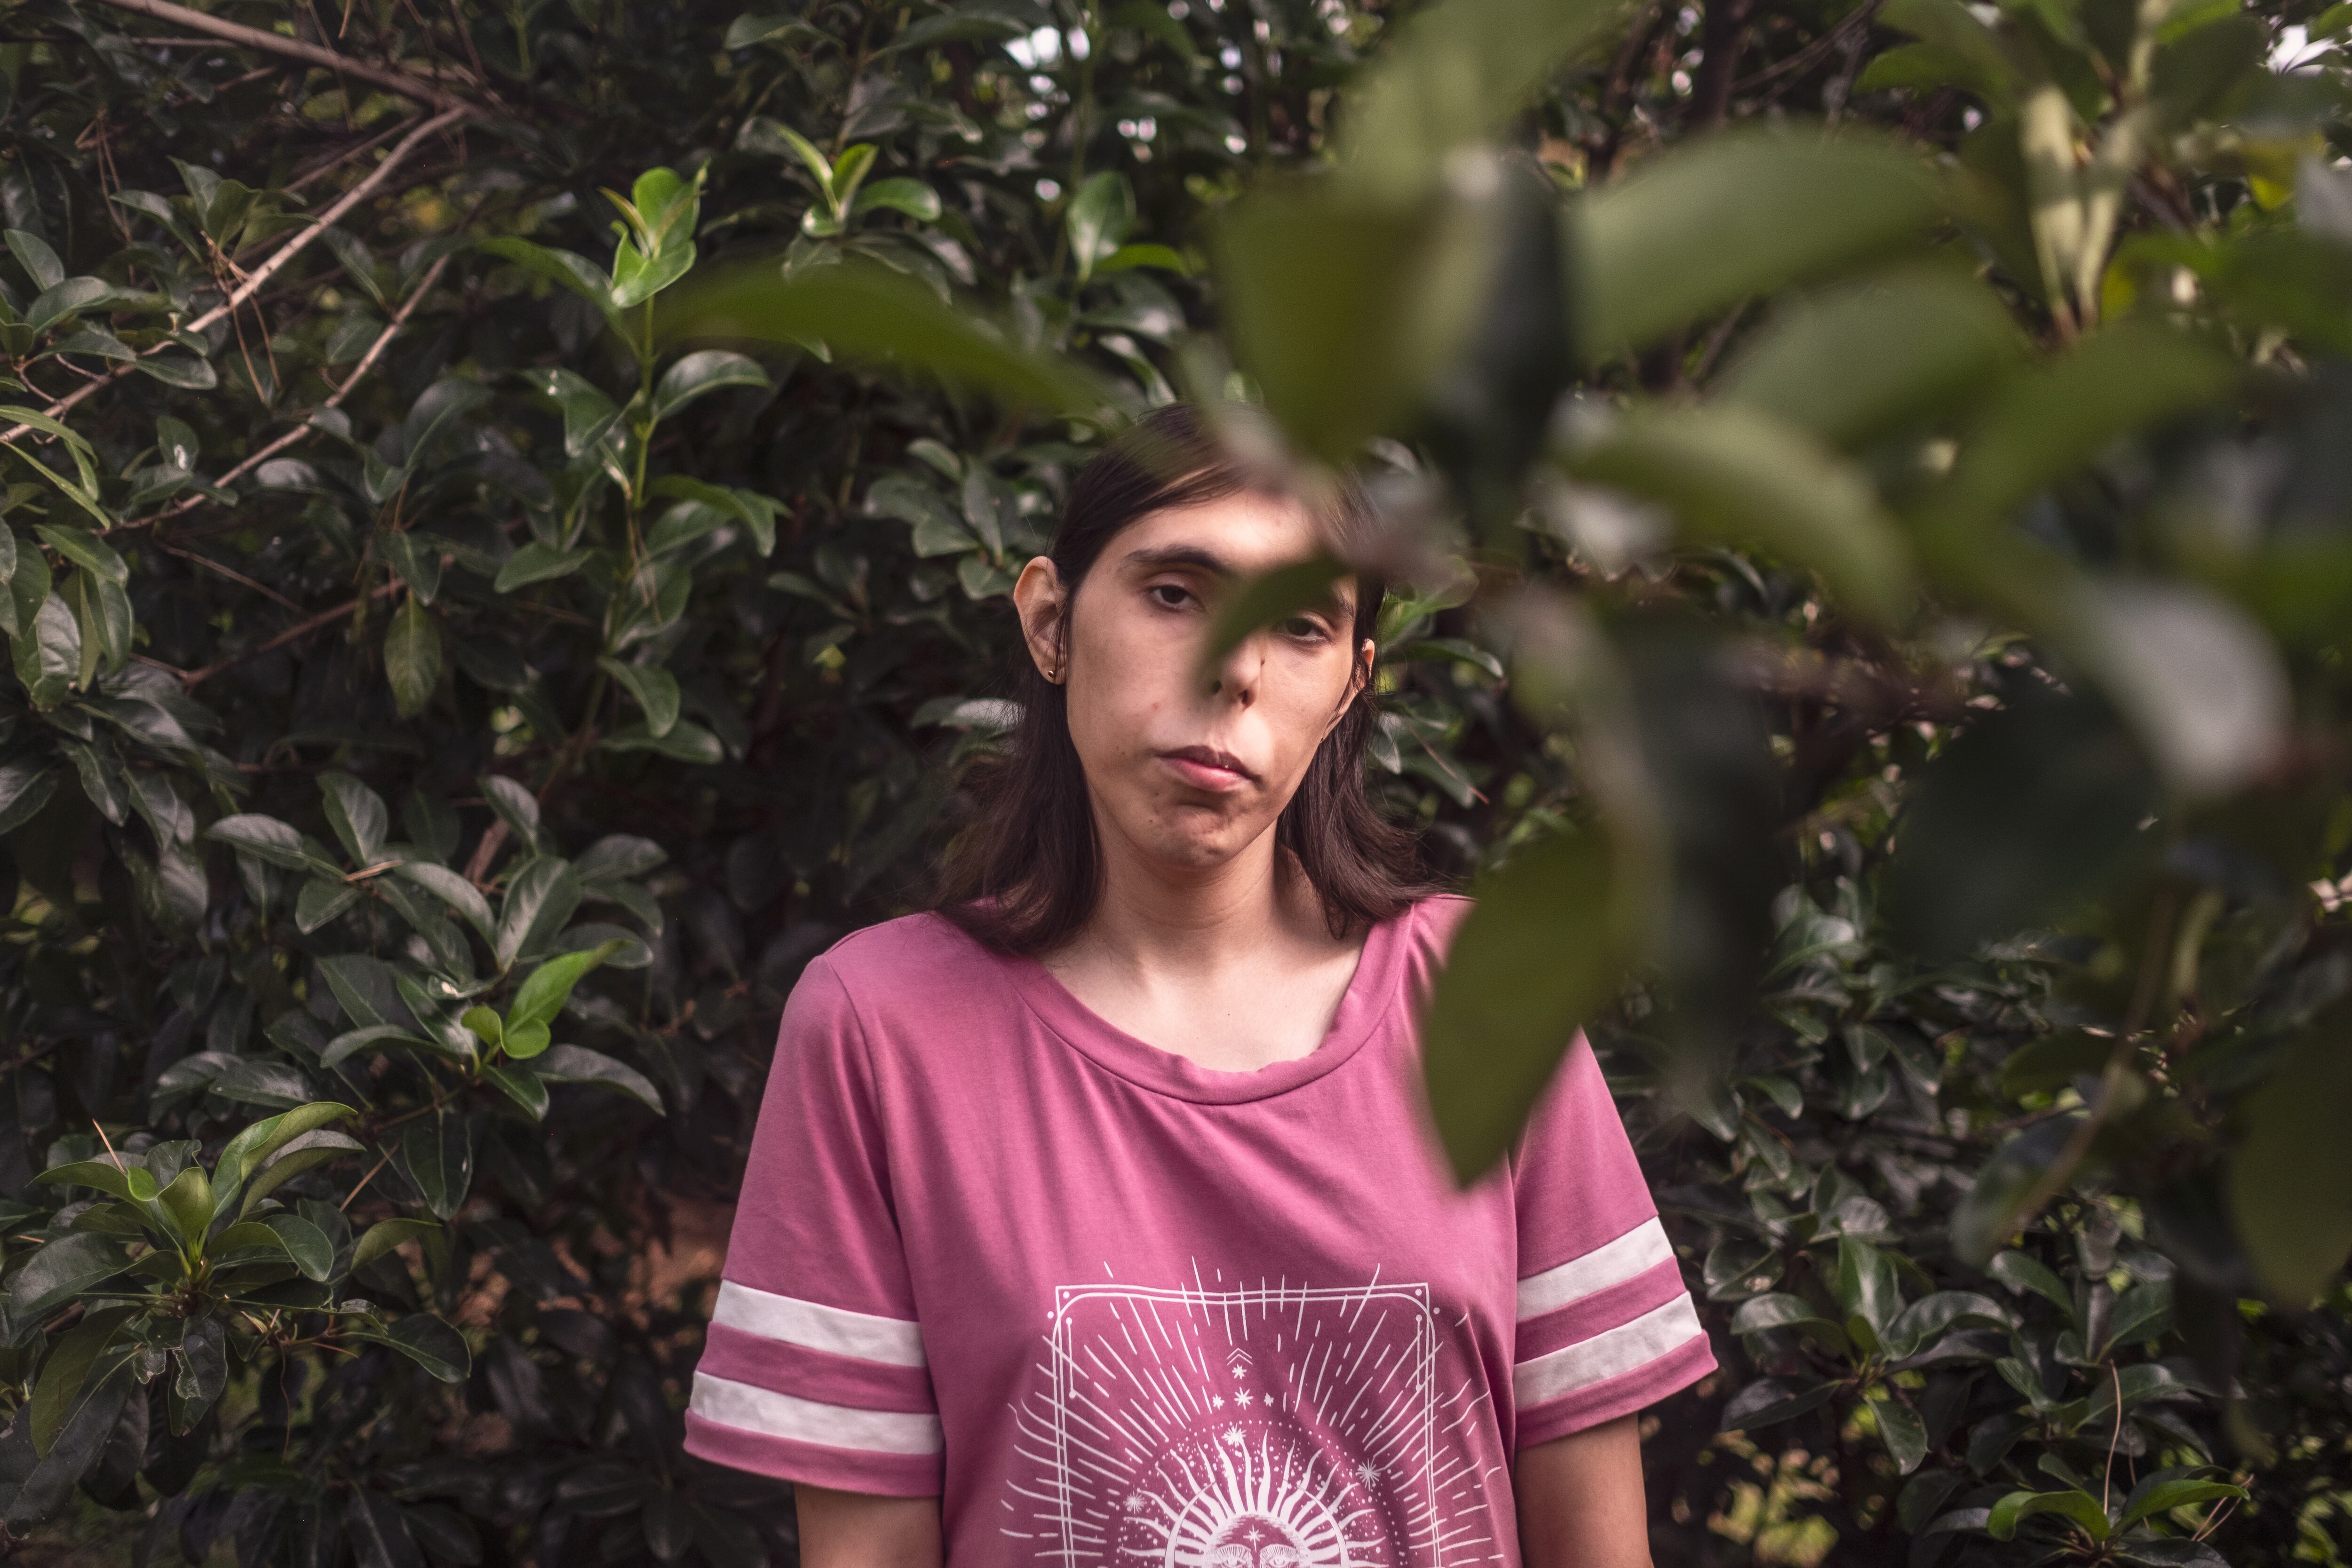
1237	678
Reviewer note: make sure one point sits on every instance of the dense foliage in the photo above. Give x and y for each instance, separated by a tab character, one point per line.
507	521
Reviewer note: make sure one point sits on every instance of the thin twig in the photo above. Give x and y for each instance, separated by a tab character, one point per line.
236	577
366	363
2107	1481
300	629
364	1181
268	269
409	86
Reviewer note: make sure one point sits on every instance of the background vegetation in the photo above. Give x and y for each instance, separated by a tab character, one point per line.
507	513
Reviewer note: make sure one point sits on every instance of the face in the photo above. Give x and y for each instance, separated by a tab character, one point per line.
1188	771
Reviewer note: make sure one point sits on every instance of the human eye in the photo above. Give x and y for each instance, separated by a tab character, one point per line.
1168	595
1305	629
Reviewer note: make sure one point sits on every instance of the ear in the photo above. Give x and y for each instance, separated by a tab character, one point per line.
1042	604
1357	679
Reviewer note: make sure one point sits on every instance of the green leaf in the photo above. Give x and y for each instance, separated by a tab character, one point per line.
2031	808
538	902
1264	601
268	839
912	197
2020	1272
1902	1432
654	689
187	1203
453	890
576	272
66	297
124	1181
85	550
685	741
431	1344
60	1270
524	1042
1852	364
1718	220
575	1064
849	172
1538	953
1457	72
34	255
1740	476
357	814
1770	1401
185	371
1781	1311
2077	1508
705	371
436	1155
318	1147
50	658
25	788
252	1148
65	1370
2167	1496
2046	422
547	988
870	312
350	1042
537	562
1867	1287
2288	1178
589	416
637	277
1154	255
1341	309
305	1243
380	1239
321	900
518	1085
1101	213
411	656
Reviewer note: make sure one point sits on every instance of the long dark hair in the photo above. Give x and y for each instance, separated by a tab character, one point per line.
1026	874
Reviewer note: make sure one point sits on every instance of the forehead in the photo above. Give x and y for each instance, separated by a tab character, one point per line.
1251	531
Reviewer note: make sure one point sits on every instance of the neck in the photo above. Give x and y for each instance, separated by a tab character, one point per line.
1176	919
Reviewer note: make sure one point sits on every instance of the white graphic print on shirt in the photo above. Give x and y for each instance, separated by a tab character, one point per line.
1267	1425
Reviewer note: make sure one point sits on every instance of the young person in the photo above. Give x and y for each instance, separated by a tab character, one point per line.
1096	1215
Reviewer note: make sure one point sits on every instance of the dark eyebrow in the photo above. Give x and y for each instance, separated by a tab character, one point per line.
1183	555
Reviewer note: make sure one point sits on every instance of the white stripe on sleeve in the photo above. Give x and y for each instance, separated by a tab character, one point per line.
1606	1354
1637	1251
764	1410
815	1326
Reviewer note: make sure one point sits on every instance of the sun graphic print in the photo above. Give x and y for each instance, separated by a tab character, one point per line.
1269	1426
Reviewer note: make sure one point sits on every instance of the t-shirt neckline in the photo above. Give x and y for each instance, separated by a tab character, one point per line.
1371	993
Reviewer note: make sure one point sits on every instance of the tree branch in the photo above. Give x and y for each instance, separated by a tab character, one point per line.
300	629
414	89
268	269
367	362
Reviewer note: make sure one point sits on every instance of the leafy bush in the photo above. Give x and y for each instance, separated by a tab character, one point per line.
507	521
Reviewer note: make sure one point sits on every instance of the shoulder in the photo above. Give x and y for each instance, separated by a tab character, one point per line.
1424	935
913	968
1432	921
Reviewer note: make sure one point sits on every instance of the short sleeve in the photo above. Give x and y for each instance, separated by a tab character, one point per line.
1605	1323
814	1368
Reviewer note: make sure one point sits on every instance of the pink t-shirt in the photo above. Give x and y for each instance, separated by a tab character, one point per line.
1114	1307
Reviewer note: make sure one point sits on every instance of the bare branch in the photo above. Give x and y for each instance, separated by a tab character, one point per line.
414	89
268	269
366	363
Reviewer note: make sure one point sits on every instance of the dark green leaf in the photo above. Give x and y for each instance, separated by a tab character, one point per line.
1537	955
